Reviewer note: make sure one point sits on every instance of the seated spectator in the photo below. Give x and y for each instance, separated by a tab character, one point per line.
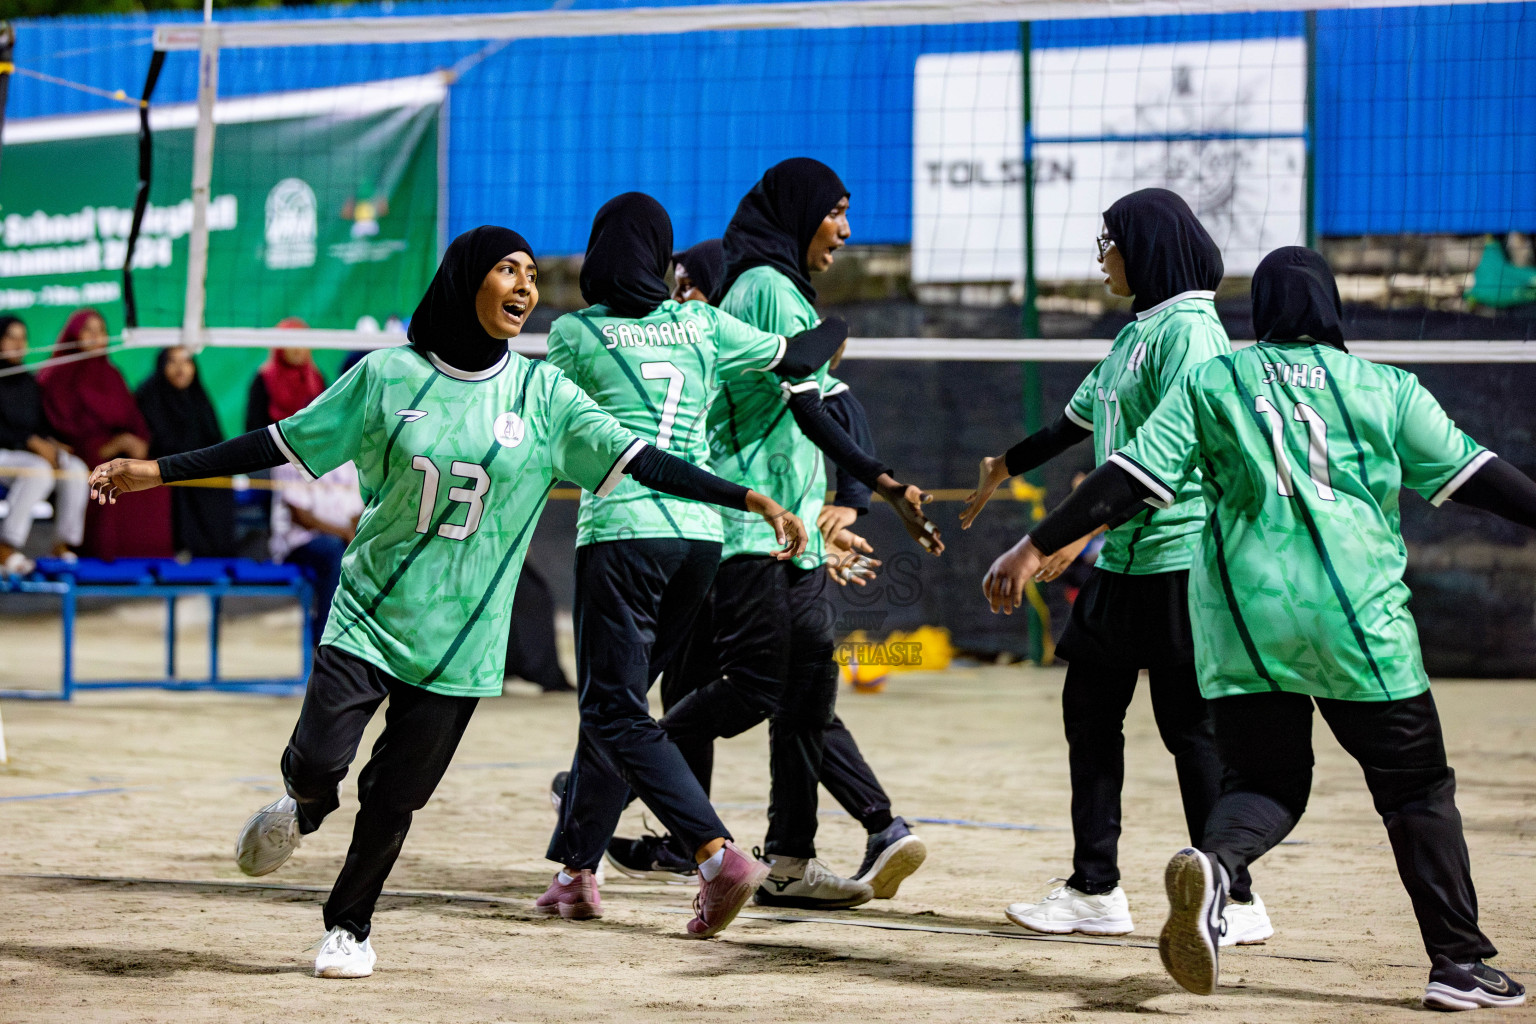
313	521
181	419
286	383
34	463
91	409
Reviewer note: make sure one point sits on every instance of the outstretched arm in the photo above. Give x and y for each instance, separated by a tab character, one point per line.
1036	449
668	474
808	351
1500	488
848	412
1108	495
247	453
908	500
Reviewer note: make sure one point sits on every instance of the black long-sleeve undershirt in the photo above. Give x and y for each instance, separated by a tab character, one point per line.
809	350
1110	494
247	453
814	421
1500	488
669	474
257	450
848	412
1044	445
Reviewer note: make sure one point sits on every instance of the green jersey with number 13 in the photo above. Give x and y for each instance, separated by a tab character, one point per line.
455	468
1298	584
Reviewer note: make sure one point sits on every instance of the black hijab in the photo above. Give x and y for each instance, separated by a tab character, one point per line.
180	419
1166	249
627	254
1295	297
445	322
704	264
775	222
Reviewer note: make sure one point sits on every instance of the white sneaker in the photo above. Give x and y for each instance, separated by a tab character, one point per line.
17	564
269	837
1066	910
1247	924
342	956
809	884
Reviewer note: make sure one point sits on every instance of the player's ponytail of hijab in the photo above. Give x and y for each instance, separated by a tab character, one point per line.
1295	297
1166	249
445	322
627	256
775	222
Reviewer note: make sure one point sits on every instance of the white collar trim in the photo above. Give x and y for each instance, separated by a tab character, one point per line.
1177	298
457	374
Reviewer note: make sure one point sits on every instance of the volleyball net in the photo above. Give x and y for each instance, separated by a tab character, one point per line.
315	169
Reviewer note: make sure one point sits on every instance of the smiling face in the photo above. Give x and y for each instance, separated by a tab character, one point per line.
13	344
179	368
507	296
830	237
1113	265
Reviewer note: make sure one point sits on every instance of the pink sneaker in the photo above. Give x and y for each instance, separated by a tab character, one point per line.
577	900
719	901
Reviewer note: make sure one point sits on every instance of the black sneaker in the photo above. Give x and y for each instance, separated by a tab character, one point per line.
1197	892
889	857
1453	987
652	857
557	790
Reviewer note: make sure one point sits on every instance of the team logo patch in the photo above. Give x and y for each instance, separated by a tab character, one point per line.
508	429
410	415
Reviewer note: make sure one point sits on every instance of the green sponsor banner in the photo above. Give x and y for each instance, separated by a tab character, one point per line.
325	206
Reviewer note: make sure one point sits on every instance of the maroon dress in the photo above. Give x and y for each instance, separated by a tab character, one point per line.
88	404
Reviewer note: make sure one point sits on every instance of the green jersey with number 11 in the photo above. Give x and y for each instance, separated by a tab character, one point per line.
455	468
657	375
1299	582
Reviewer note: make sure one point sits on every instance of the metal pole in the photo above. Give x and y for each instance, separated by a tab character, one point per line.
1311	132
193	317
1029	319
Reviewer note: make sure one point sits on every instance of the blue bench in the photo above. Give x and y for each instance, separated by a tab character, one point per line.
164	578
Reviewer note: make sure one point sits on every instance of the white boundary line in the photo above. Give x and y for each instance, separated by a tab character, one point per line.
950	350
716	18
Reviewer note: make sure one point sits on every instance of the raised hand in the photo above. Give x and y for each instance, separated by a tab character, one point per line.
1054	565
848	559
908	501
834	518
120	476
787	527
993	472
1005	581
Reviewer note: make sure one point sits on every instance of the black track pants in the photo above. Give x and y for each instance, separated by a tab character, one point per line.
1266	743
635	606
421	732
773	631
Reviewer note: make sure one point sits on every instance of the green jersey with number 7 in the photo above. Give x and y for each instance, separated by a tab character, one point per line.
1298	583
447	460
658	374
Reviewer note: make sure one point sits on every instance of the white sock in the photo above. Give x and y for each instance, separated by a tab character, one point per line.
710	868
563	878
